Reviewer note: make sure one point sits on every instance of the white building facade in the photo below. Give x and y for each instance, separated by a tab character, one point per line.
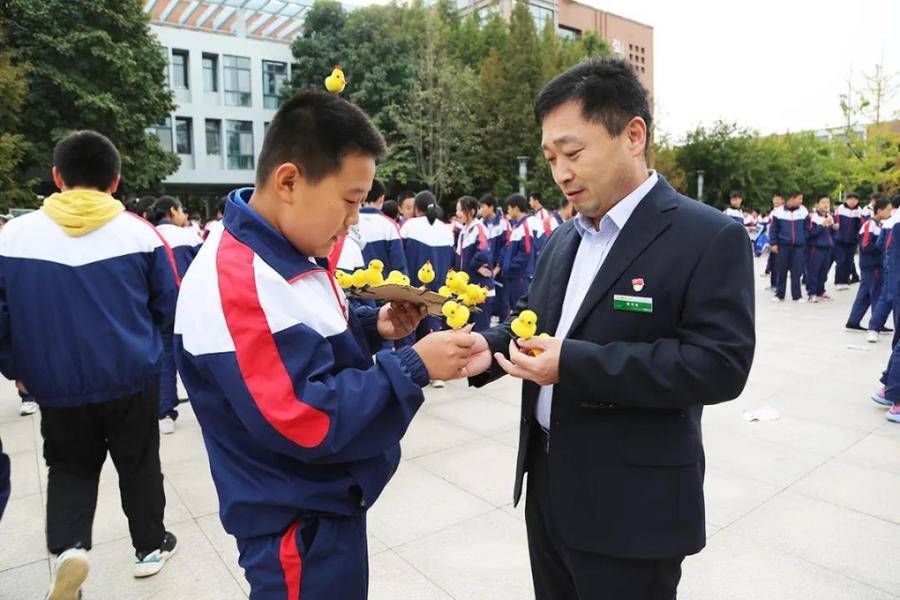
226	68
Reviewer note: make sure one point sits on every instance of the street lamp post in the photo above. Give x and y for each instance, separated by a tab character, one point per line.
700	185
523	173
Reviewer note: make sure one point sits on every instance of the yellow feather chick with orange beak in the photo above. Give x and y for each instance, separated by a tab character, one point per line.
457	315
344	280
335	83
374	273
525	325
426	273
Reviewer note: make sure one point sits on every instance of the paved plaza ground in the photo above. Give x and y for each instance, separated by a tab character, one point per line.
804	507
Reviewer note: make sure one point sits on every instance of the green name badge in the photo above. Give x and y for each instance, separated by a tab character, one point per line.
633	303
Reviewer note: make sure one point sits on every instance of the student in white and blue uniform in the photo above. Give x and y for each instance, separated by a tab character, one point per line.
170	219
519	254
473	255
380	234
787	239
848	219
871	258
498	235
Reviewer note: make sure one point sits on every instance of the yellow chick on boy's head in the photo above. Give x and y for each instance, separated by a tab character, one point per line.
525	325
335	83
426	273
344	280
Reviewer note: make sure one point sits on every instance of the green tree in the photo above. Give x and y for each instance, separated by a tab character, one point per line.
13	146
436	123
94	65
320	48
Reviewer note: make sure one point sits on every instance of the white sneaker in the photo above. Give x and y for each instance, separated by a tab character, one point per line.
777	299
146	565
437	383
799	300
873	337
842	287
813	300
167	426
28	408
72	568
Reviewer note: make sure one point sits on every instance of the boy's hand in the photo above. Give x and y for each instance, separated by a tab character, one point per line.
399	319
484	271
773	248
480	360
446	353
20	385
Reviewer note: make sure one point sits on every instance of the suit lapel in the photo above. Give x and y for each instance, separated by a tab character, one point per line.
650	218
563	258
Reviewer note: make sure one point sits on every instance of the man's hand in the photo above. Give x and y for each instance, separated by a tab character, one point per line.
542	369
480	359
773	248
399	319
446	353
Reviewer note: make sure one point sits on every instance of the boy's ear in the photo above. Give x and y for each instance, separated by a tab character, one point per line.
115	185
284	179
57	179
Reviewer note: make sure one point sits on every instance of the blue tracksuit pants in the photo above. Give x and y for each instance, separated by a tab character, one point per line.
790	260
817	265
866	296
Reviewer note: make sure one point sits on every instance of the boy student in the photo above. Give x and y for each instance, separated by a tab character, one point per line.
889	395
498	231
734	210
771	269
848	219
89	288
870	261
885	304
820	250
518	263
787	235
301	424
380	234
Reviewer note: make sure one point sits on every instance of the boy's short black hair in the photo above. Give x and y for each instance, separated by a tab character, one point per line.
881	204
404	195
536	196
851	195
376	192
608	90
391	209
87	159
736	194
895	200
820	196
518	201
794	193
488	200
315	131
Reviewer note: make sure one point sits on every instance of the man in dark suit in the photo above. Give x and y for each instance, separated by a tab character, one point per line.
649	297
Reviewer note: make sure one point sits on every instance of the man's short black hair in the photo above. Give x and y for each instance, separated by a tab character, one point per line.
488	200
315	131
376	192
736	194
608	90
87	159
517	200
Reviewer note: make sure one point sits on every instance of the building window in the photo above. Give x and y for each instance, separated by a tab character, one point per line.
274	78
240	144
214	137
642	69
163	132
183	131
237	80
210	73
568	33
180	69
540	15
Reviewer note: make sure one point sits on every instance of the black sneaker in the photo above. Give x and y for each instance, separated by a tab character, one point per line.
885	330
857	327
151	563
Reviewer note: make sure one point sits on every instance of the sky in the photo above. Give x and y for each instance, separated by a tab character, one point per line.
771	65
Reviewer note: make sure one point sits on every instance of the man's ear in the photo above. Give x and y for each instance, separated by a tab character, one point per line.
637	135
284	179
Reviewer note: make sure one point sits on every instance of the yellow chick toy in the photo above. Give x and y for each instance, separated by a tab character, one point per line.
376	267
525	325
458	282
406	280
535	351
445	291
344	280
457	314
396	278
335	83
360	278
426	273
476	293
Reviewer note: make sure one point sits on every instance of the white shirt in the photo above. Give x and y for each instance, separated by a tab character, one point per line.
592	252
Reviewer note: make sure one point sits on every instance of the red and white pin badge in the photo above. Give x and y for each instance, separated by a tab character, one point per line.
637	284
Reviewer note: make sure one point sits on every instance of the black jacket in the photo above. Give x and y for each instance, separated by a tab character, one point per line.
626	451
